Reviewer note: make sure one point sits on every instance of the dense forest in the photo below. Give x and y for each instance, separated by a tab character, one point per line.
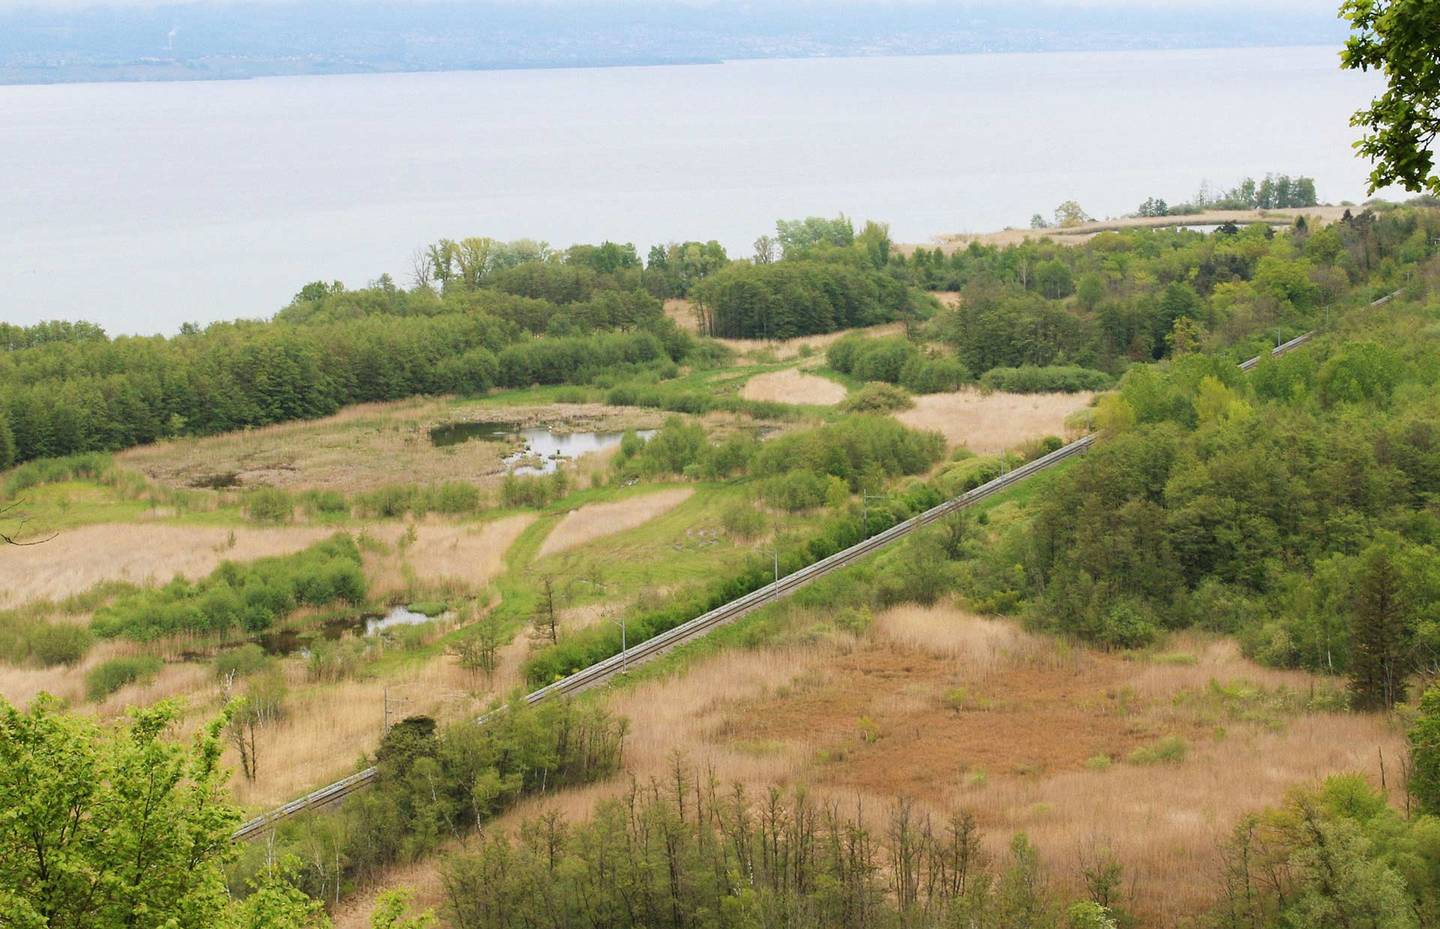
483	315
1292	506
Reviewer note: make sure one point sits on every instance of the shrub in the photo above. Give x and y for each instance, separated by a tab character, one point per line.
240	662
795	490
269	505
1053	379
1169	750
325	503
60	644
534	491
454	498
251	595
933	375
331	662
106	678
877	397
742	521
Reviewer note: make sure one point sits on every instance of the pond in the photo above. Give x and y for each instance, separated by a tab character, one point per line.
542	449
286	642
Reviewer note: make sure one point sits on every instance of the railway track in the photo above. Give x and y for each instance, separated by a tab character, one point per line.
602	671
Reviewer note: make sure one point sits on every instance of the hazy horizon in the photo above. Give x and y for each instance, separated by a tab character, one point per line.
57	41
207	201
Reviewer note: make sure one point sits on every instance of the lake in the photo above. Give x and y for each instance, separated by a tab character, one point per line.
141	206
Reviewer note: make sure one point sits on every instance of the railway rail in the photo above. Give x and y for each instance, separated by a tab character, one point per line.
602	671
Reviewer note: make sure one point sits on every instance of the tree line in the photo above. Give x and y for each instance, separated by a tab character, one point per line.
1289	506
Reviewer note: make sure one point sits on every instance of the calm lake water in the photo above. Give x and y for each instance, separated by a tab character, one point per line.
540	449
144	205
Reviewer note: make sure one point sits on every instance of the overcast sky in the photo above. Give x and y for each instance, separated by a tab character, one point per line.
1269	6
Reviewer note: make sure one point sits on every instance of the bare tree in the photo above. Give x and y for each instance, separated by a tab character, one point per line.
11	512
422	272
547	619
479	648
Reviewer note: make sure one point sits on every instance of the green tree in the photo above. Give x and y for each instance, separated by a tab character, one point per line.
276	902
7	443
1402	39
1425	752
1379	633
110	828
1070	214
390	909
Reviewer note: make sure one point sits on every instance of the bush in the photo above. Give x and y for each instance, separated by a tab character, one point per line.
325	503
240	662
60	644
534	492
106	678
1053	379
94	466
1169	750
795	490
877	398
331	662
933	375
251	595
742	521
858	450
269	505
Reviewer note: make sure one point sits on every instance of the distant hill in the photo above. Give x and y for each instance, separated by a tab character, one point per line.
209	40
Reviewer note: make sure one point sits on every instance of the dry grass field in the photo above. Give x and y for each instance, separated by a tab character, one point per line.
948	710
142	553
597	520
988	423
1075	235
465	555
683	313
792	386
367	446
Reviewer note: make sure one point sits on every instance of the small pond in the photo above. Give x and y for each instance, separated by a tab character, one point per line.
542	449
297	641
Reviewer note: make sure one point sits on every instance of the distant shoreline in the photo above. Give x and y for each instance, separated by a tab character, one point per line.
160	71
1075	235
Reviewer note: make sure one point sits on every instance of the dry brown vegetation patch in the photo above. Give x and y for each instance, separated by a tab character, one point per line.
1076	235
368	446
792	386
597	520
141	553
878	718
467	555
988	423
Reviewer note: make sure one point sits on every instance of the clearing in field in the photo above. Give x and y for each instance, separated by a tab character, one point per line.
683	313
989	423
597	520
141	553
793	386
1156	759
368	446
468	554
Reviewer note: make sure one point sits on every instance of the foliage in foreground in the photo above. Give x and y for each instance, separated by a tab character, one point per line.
1338	855
439	784
686	853
110	829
